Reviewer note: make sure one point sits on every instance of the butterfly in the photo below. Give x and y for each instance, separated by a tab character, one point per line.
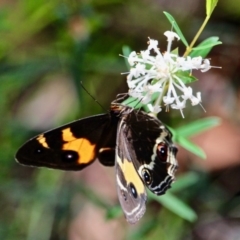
138	145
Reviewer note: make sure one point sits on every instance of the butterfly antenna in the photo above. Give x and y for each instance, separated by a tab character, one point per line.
95	100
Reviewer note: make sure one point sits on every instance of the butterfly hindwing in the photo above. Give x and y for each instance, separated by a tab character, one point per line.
72	146
151	150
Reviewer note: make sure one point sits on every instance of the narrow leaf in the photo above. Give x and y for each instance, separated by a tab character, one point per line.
197	126
210	5
126	52
191	147
176	206
114	212
186	77
210	45
184	181
137	103
176	27
205	47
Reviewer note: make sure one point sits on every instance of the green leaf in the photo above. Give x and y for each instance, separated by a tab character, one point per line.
142	232
137	103
175	205
175	51
133	102
186	77
210	5
114	212
197	126
126	52
176	27
205	47
184	181
191	147
182	133
210	45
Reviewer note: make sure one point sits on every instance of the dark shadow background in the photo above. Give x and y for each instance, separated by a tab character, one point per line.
46	49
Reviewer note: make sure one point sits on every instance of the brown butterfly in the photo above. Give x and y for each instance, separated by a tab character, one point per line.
137	144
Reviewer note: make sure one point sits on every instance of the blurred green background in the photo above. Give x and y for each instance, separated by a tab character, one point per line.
46	49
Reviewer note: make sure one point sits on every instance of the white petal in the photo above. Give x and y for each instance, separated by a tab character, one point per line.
132	58
136	71
171	35
179	105
187	93
196	100
180	61
157	87
134	94
196	62
146	99
153	44
145	54
205	66
168	100
140	69
186	64
154	109
131	84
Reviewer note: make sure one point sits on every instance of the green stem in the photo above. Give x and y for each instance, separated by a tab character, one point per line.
189	49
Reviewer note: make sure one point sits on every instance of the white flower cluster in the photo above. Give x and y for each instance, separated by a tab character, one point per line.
159	73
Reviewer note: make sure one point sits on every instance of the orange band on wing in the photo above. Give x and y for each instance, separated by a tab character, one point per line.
83	146
42	140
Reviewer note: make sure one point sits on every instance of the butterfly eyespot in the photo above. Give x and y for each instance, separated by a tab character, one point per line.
133	190
69	156
147	176
162	151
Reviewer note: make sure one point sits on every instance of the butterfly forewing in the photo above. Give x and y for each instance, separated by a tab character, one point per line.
70	147
131	190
